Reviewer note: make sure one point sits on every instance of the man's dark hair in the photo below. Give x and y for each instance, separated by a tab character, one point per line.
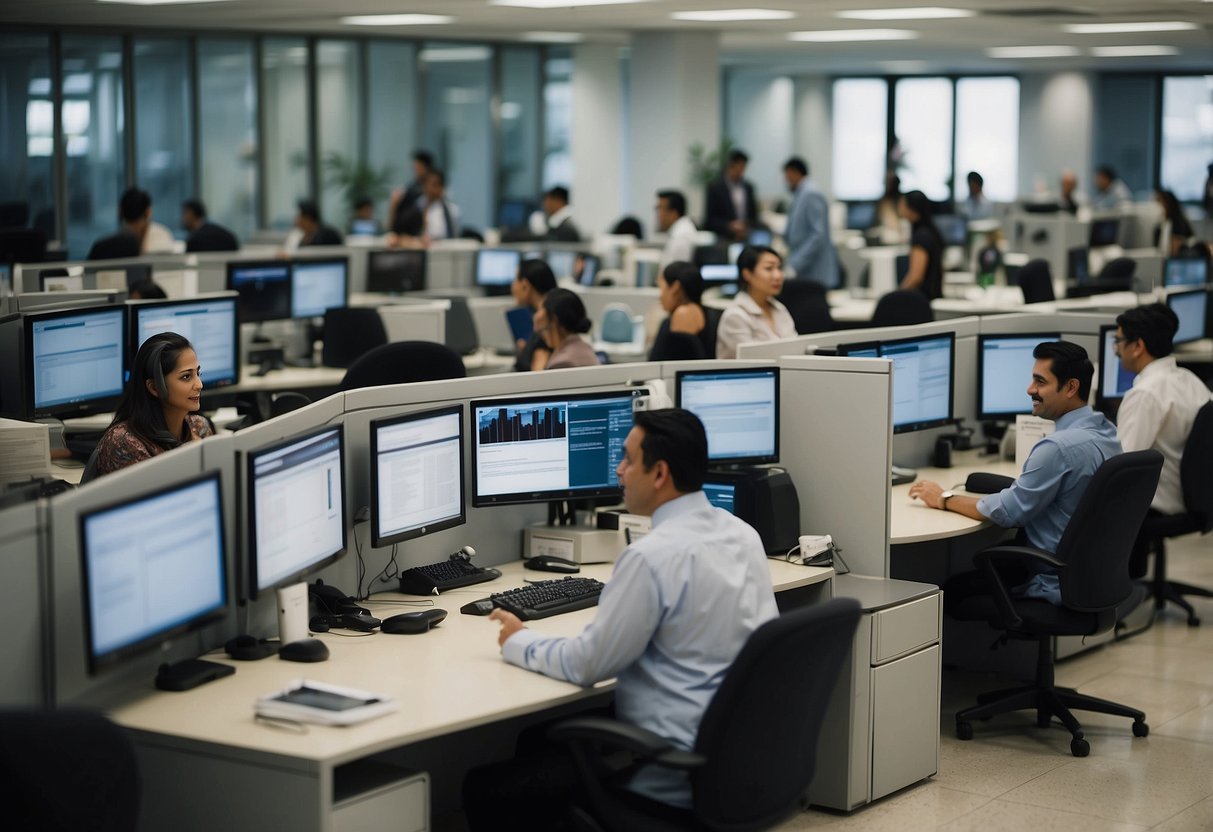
737	155
441	176
195	206
134	204
1108	171
750	255
629	225
797	164
409	221
559	192
974	178
363	202
309	209
424	157
675	200
686	275
537	273
676	436
1155	324
1068	361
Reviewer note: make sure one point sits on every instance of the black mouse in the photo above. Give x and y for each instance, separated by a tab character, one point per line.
413	622
304	650
551	563
361	621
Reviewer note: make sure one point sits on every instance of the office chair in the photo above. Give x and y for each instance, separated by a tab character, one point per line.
616	325
1115	276
1036	282
1093	566
67	770
349	333
1196	478
676	346
22	245
902	307
712	316
401	362
461	333
806	301
756	749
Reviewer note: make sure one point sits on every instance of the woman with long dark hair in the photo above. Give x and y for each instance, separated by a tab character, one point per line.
681	287
926	247
561	321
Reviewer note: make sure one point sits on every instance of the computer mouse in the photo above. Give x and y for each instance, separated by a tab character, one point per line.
363	622
483	606
304	650
410	623
551	563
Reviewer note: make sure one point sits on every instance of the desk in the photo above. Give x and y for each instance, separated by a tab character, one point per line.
912	521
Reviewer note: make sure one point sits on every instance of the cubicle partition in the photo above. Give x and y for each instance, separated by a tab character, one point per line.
24	584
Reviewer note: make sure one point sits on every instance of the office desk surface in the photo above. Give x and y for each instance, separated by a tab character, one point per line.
912	521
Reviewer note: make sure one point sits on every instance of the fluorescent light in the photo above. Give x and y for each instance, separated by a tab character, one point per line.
733	15
852	35
912	13
159	2
560	4
1128	28
397	19
1133	51
1033	52
553	37
905	67
454	54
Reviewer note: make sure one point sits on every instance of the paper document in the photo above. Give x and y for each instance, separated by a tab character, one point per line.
1028	431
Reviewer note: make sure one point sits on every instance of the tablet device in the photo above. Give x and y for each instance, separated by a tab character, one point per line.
521	321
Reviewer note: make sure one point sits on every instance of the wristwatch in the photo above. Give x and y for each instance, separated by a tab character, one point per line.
947	495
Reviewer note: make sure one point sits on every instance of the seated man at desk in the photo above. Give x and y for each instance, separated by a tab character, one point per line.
680	604
1058	469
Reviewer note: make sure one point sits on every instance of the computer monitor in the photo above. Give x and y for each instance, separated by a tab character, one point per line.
153	568
860	349
1114	379
318	285
496	269
1192	308
739	409
1105	232
210	324
396	270
563	262
295	508
549	448
722	494
719	274
515	213
954	229
923	377
1185	271
75	361
760	237
1004	365
1078	264
264	287
861	215
416	474
588	264
363	227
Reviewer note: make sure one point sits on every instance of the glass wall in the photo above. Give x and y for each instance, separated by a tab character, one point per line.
518	152
227	132
285	126
27	123
391	112
164	132
340	118
1187	135
860	137
987	136
923	126
558	119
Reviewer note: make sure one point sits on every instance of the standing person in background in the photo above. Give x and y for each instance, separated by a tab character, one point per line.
732	210
926	247
423	163
975	206
441	215
555	221
673	221
810	250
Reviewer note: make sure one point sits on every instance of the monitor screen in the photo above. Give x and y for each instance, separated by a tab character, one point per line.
1114	379
1192	309
154	567
860	349
360	226
954	228
556	447
861	215
739	409
722	495
395	270
497	266
1004	366
296	508
210	325
514	213
1104	232
589	269
75	361
759	237
1186	271
563	262
922	380
719	274
416	474
317	286
264	287
1078	264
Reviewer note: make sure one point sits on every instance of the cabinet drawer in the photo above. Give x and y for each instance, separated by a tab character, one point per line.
402	805
899	630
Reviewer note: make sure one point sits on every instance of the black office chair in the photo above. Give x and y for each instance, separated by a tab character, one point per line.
902	307
756	749
1036	282
806	301
1196	478
401	362
460	326
67	770
676	346
1092	561
22	245
349	333
1115	276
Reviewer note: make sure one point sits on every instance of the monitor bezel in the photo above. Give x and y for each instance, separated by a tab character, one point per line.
87	407
984	415
496	285
1113	222
857	346
242	306
1205	331
1166	268
344	262
135	307
1104	402
377	539
420	253
927	424
764	459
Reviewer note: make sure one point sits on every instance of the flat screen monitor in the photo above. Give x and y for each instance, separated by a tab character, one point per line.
722	495
546	448
416	474
318	285
1004	365
954	228
496	268
75	361
514	213
923	378
1078	264
364	227
760	237
396	270
860	349
861	215
739	409
1105	232
296	508
587	269
1114	379
210	324
264	287
720	274
563	262
1186	271
1192	308
153	568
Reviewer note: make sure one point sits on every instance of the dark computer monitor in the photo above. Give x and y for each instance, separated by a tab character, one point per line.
860	349
416	474
153	568
588	265
210	324
264	287
1105	232
75	361
1004	365
923	378
1192	308
1078	264
954	229
548	448
295	510
1114	379
861	215
496	269
563	262
739	409
396	270
1186	271
515	213
319	285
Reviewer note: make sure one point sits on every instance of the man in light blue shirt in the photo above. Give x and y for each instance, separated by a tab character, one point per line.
1043	498
811	253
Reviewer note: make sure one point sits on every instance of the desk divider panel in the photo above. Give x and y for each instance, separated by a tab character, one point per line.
24	596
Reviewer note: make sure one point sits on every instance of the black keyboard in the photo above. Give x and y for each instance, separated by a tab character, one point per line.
444	575
545	598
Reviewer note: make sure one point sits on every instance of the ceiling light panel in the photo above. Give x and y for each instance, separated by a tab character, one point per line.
1151	51
911	13
1129	28
852	35
560	4
397	19
733	15
1033	52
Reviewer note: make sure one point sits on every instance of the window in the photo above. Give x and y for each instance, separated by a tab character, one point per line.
860	125
987	136
27	142
164	151
558	118
338	82
923	126
392	112
288	155
1187	134
227	133
521	87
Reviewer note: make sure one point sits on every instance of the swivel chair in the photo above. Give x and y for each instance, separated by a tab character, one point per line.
351	332
401	362
806	302
676	346
755	753
1036	282
616	325
1092	563
902	307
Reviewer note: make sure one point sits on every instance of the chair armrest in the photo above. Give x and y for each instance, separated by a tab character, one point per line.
616	736
988	561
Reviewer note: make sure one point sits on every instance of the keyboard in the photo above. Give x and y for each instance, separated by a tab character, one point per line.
444	575
546	598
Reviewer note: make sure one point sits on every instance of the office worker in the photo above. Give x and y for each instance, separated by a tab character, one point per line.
681	288
926	247
409	229
1172	214
731	208
1111	192
560	321
441	215
1058	469
811	253
887	228
660	628
672	220
975	206
204	234
158	411
755	314
408	195
314	232
531	285
135	224
555	221
1070	198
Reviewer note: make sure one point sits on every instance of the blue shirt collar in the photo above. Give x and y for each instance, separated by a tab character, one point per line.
1076	415
679	506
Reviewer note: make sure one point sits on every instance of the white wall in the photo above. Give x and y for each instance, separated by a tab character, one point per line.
813	139
597	185
1055	128
759	121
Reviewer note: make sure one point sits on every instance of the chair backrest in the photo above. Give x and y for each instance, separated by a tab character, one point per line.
902	307
1196	469
676	346
616	326
461	333
351	332
1098	540
712	316
1120	268
401	362
759	733
22	245
1036	282
806	302
90	467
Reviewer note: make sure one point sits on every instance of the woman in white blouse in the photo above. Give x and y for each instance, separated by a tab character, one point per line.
755	314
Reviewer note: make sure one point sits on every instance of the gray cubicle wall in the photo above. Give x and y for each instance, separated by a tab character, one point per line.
24	588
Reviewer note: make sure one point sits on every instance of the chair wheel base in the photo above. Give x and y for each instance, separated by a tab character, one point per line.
1141	729
964	731
1080	747
1193	621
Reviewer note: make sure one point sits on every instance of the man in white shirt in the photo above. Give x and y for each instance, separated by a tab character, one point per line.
679	228
1111	192
441	215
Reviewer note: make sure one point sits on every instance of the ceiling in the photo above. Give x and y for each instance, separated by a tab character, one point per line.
941	45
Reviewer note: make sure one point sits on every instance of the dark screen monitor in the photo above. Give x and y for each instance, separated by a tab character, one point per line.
587	269
1004	366
153	568
1078	264
319	285
860	349
1105	232
954	229
496	269
923	378
416	474
861	215
396	270
545	448
264	287
739	409
295	511
210	324
1192	308
515	213
1186	271
1114	379
75	361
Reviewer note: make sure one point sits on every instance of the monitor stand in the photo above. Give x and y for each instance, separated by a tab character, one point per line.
190	673
292	625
